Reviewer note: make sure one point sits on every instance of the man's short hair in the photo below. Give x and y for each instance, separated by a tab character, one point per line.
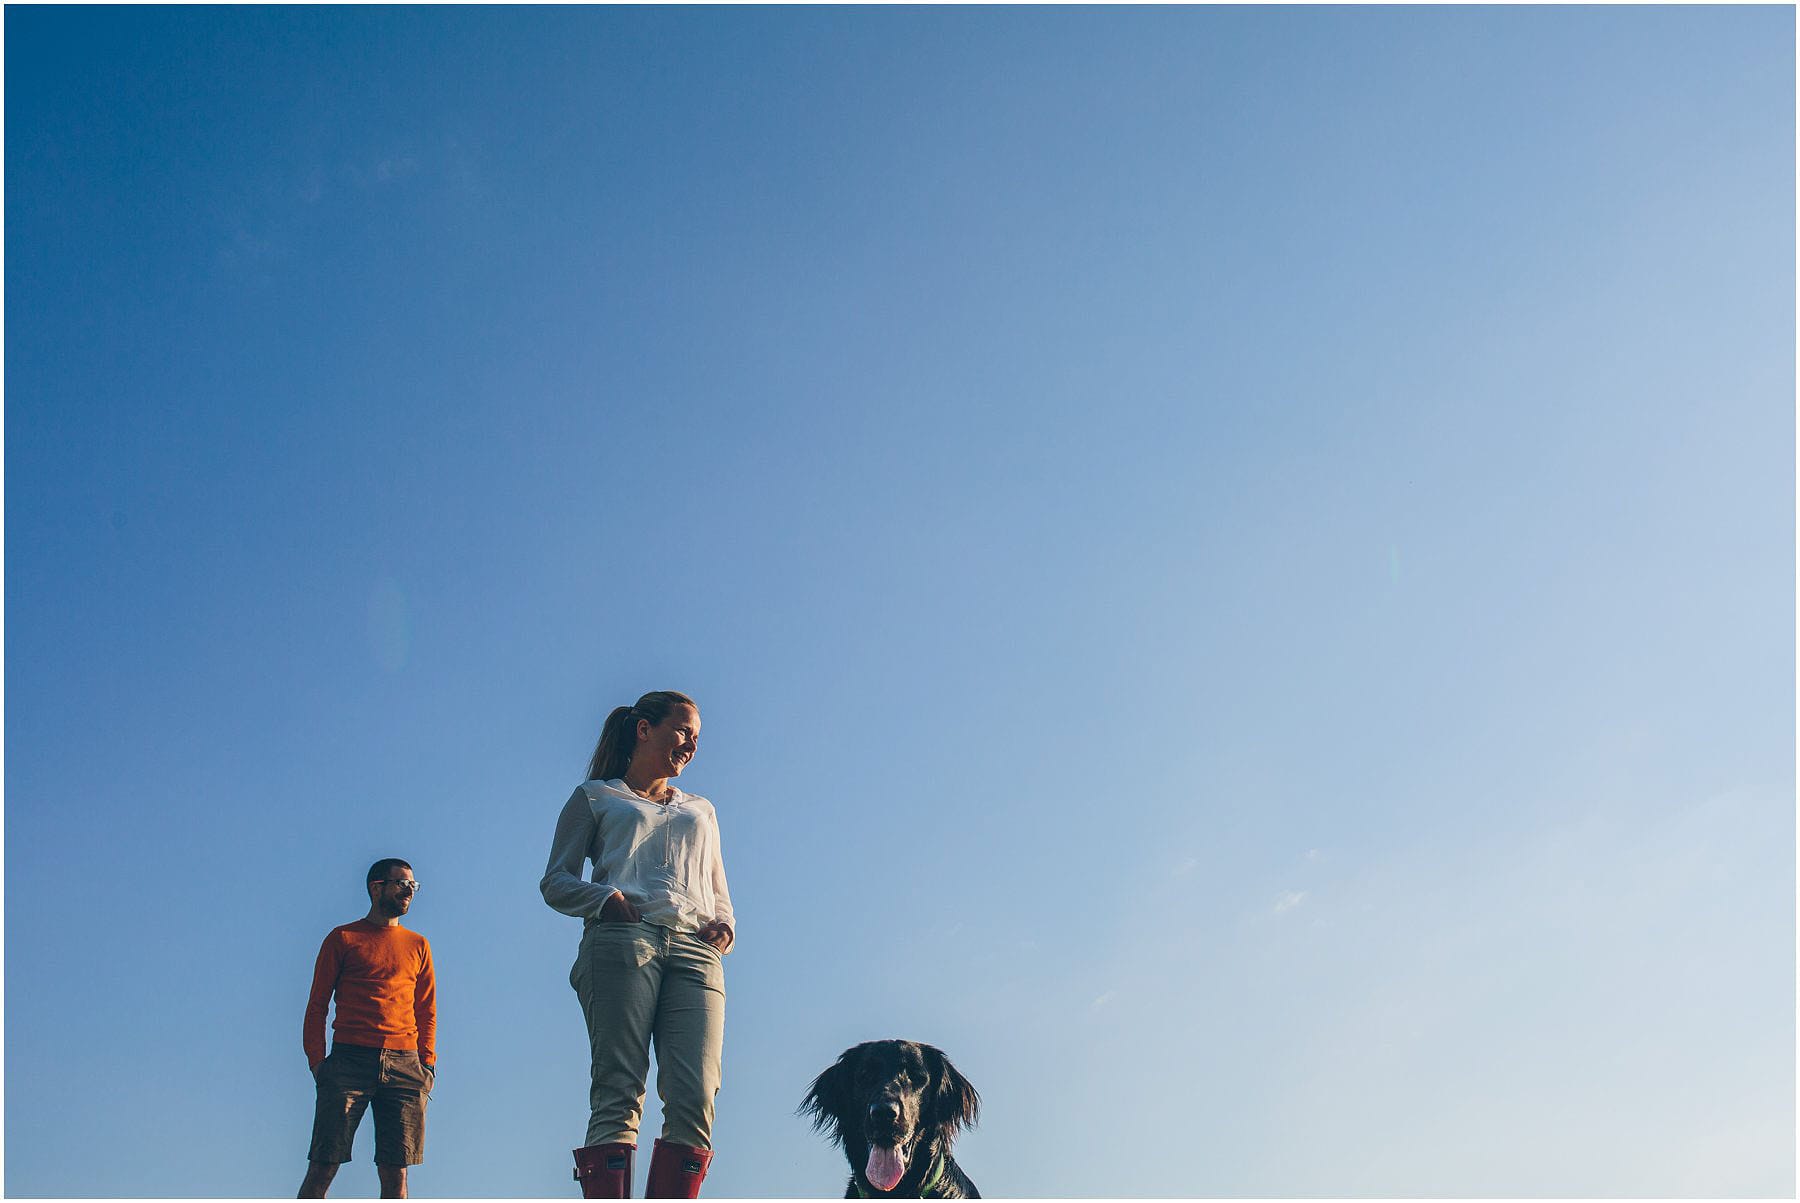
379	870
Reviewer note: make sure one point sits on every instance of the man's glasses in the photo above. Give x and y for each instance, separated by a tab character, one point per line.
409	884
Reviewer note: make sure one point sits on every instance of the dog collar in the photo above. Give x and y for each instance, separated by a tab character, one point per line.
925	1188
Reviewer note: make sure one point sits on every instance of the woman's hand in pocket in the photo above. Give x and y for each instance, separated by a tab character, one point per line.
619	909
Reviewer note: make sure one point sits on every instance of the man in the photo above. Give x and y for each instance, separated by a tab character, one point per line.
384	1036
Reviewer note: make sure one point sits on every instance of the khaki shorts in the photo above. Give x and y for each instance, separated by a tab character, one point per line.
354	1076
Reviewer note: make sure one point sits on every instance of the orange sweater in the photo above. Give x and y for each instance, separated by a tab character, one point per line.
386	993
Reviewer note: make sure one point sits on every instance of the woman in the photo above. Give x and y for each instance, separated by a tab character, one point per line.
658	920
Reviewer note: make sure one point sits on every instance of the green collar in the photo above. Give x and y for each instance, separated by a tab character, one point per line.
931	1180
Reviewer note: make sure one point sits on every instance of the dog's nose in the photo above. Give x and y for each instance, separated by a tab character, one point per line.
885	1109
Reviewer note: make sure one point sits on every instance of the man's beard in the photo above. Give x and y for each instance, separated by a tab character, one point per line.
391	907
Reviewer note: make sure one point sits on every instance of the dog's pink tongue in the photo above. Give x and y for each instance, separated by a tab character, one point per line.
885	1168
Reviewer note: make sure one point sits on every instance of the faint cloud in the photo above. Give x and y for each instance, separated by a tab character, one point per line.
1289	900
1313	854
246	248
273	220
394	169
1100	1002
1188	865
374	173
328	183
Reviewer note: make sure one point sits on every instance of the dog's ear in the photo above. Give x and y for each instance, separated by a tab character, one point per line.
954	1101
824	1101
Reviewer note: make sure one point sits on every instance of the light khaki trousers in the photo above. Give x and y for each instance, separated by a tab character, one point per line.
640	983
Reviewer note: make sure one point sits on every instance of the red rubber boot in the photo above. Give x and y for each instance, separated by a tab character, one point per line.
604	1171
676	1171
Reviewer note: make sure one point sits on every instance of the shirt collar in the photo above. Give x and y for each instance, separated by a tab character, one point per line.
675	794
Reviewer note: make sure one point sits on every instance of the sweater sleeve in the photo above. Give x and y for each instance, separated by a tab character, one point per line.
425	1007
325	975
576	834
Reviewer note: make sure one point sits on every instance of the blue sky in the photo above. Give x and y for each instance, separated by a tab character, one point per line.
1238	564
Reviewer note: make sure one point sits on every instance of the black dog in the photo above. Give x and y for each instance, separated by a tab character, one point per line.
895	1107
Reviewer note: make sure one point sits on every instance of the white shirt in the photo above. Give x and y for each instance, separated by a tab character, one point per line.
664	857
